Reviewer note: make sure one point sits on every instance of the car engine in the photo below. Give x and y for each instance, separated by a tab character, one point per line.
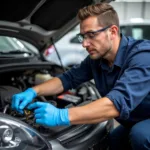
17	81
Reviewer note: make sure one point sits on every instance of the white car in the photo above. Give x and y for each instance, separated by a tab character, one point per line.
69	49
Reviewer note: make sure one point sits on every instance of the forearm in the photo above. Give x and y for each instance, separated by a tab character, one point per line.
50	87
97	111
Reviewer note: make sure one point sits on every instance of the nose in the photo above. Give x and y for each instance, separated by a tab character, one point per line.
85	43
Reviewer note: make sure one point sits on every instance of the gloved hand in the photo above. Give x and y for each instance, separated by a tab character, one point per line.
48	115
20	100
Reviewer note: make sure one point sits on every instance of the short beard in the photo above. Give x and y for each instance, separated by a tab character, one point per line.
103	56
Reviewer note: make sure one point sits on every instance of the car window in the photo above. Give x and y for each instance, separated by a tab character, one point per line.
75	40
11	44
136	31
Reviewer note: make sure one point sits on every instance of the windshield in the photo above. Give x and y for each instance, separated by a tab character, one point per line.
11	45
136	31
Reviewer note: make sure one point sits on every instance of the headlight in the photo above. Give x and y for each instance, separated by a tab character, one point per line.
16	135
6	133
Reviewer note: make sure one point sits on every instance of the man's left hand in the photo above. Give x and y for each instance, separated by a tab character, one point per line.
48	115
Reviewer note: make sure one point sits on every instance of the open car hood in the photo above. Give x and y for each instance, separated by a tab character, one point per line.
40	22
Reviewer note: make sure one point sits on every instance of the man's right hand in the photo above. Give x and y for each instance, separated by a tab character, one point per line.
21	100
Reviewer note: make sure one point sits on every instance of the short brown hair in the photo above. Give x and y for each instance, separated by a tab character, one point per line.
105	13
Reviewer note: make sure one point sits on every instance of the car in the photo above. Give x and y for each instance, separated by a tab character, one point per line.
27	29
67	50
137	28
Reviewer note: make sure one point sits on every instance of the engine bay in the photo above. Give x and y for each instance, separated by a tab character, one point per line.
17	81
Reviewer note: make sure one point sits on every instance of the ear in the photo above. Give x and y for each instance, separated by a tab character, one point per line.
114	31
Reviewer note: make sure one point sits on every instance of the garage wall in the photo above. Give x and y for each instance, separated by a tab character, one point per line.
127	10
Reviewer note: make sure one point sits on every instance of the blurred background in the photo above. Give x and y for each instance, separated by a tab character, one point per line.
134	17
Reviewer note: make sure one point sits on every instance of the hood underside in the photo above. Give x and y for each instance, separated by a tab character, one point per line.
48	14
36	20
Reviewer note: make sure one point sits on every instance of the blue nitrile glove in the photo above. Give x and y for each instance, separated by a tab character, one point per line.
20	100
48	115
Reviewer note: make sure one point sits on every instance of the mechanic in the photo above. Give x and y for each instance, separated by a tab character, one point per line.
120	67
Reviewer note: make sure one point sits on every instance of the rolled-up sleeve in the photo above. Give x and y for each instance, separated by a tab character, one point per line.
133	85
77	75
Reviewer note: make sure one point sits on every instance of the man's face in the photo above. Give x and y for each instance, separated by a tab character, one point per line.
97	44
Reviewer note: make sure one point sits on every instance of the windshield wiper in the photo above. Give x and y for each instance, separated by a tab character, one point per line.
15	52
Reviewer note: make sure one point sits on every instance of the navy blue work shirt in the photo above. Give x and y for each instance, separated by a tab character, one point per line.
126	83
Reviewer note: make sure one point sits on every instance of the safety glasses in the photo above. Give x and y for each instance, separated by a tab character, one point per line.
90	34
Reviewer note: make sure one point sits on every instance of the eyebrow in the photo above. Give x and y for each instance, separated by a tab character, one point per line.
87	32
90	31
